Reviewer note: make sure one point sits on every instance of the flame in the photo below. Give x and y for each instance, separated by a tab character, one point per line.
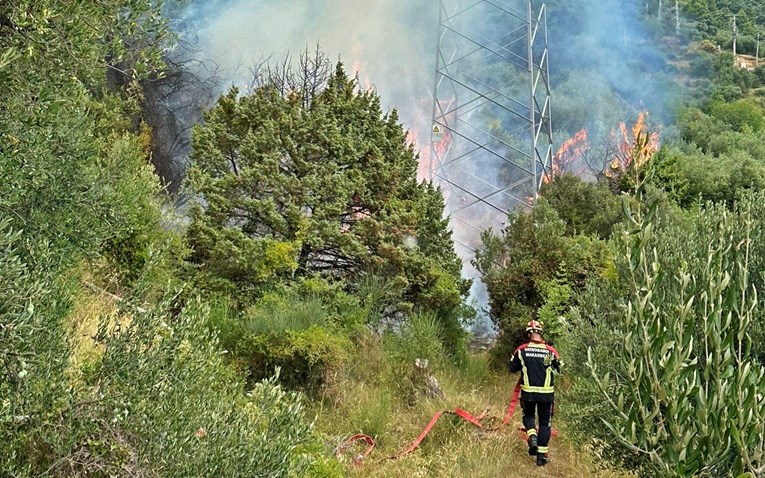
573	143
427	159
442	146
359	66
635	147
432	150
568	156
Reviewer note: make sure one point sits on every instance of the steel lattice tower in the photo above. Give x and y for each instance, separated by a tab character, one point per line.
492	136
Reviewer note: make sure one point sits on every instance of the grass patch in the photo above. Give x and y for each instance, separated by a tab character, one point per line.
91	310
275	315
454	448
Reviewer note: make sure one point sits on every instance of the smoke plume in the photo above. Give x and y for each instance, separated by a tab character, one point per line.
607	65
389	43
604	65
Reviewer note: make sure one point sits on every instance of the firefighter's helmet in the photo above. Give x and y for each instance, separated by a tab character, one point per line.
534	326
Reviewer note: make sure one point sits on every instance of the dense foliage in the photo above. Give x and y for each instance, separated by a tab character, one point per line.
312	221
684	323
715	21
315	270
540	259
325	185
663	345
156	397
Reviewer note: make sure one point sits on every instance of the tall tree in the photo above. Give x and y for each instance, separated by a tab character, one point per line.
295	182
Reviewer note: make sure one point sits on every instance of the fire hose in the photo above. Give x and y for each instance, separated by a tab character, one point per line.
463	414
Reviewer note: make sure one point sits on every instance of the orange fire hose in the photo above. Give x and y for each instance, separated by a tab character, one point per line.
465	415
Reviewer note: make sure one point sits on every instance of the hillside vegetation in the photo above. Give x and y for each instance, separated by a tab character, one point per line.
296	296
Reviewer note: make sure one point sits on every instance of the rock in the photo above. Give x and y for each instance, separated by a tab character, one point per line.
425	384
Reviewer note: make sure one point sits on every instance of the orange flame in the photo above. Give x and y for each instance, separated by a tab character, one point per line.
427	160
637	147
567	156
427	143
359	66
442	146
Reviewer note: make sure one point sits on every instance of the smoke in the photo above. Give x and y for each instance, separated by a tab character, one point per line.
607	65
389	43
604	65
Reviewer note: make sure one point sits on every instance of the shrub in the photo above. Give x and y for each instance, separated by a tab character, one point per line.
132	190
586	208
310	359
454	323
33	355
741	115
168	404
670	365
701	65
518	267
692	177
287	332
420	338
345	308
162	402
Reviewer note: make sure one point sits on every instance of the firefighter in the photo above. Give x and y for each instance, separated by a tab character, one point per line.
537	361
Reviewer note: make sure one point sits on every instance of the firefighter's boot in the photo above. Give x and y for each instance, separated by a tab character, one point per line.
532	445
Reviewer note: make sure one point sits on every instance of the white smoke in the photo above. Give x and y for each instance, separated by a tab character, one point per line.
602	64
391	44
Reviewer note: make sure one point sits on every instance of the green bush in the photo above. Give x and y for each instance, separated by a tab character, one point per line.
529	266
163	401
741	115
589	209
136	244
512	333
690	177
454	323
284	331
310	359
557	294
670	366
346	308
420	338
33	355
171	405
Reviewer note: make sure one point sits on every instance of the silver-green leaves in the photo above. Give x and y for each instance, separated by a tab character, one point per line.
689	395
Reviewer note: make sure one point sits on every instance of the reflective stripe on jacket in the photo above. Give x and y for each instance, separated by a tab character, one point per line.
536	361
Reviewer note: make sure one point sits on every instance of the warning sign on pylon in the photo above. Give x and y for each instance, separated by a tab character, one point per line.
438	132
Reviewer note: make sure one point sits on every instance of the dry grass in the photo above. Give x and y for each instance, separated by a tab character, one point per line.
90	309
454	448
83	326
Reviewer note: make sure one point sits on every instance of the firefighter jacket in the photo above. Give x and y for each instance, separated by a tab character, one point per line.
536	361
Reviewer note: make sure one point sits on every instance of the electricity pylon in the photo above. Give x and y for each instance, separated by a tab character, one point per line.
491	145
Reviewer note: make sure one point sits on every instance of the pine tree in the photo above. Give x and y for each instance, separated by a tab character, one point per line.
325	185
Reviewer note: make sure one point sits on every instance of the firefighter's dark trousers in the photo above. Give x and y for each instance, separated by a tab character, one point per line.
544	411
